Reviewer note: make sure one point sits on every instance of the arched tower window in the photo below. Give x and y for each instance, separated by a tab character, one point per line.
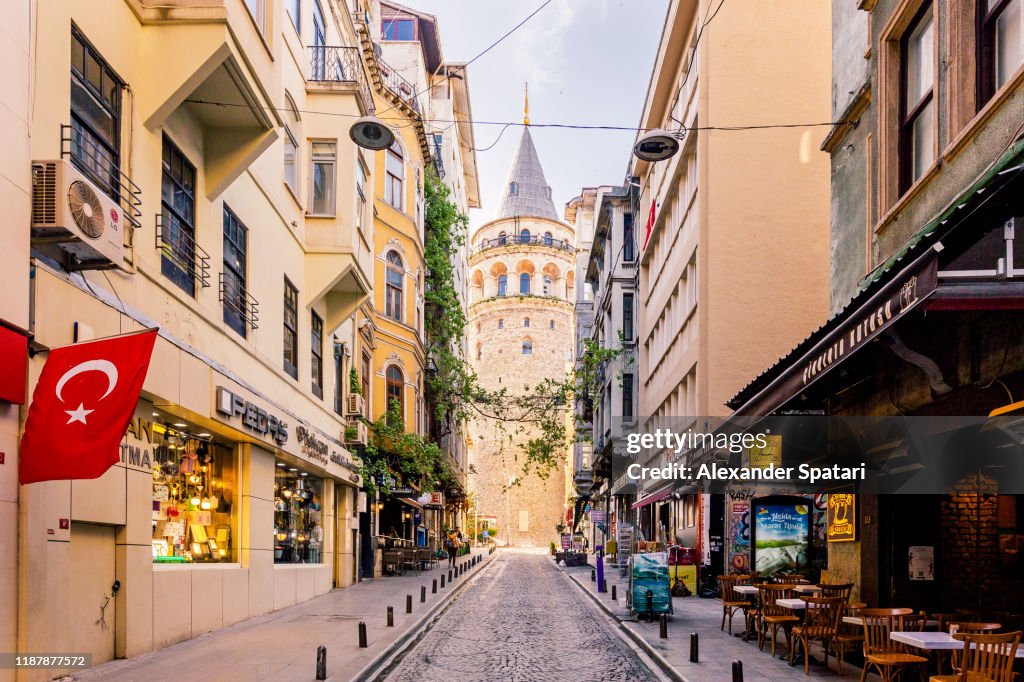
524	237
548	239
526	322
524	283
502	237
551	324
502	285
527	347
393	286
547	285
513	189
501	324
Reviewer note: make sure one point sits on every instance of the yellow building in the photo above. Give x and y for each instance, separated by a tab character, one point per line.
213	137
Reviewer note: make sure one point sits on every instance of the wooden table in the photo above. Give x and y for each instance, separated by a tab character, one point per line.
807	589
856	620
792	604
745	589
933	641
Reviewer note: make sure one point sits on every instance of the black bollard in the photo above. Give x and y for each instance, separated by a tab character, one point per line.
391	616
408	603
593	575
693	647
449	575
362	635
604	585
433	588
614	597
650	606
663	622
442	580
423	593
321	662
737	671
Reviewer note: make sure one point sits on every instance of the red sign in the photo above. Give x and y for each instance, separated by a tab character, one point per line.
13	361
81	407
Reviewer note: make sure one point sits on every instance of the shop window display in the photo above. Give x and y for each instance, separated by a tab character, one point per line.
298	516
193	498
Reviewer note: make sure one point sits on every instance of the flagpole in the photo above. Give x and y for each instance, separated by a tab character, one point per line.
77	344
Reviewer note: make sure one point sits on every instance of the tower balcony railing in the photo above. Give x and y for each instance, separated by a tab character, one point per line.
398	84
541	240
337	64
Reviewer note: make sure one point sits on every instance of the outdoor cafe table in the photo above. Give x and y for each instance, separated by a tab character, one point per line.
856	620
933	641
746	591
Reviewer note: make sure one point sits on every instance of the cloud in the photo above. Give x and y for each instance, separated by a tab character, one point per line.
540	44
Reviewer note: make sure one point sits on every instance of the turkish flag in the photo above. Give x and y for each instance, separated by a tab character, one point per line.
650	223
81	407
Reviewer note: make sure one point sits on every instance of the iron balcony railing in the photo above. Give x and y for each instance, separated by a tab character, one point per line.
178	248
497	242
337	64
398	84
95	163
239	301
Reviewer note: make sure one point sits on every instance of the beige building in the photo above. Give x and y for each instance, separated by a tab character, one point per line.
215	137
522	285
735	268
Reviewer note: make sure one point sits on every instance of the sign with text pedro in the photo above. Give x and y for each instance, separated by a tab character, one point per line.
842	517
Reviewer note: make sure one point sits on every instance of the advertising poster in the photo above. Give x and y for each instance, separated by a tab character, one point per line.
922	562
739	536
781	534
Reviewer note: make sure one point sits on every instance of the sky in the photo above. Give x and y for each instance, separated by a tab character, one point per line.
586	62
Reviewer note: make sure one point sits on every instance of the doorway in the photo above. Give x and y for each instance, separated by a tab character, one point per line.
92	597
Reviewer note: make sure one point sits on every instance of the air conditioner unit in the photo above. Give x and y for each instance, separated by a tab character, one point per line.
72	220
355	404
355	433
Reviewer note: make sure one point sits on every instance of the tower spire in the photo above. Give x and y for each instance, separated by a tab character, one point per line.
526	104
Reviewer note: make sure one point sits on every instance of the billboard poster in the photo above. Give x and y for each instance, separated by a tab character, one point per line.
739	537
781	536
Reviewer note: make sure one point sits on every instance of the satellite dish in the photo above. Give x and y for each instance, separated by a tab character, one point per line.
656	145
369	132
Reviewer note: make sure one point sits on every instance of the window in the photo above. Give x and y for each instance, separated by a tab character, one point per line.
257	8
627	396
513	189
502	238
360	195
298	519
548	239
178	216
1001	44
526	322
627	317
527	348
524	237
502	285
501	324
236	244
628	249
398	28
316	348
393	276
95	116
394	176
547	285
524	283
917	125
551	324
396	385
319	27
365	383
291	147
293	7
323	157
291	329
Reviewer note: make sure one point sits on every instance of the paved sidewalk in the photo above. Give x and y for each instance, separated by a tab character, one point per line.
282	645
716	648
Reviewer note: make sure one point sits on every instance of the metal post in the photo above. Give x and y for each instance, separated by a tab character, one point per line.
650	606
321	662
593	575
693	647
614	597
601	587
391	616
442	580
423	593
449	575
408	603
663	622
433	588
737	671
362	635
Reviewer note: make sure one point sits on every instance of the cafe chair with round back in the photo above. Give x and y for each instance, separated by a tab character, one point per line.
966	628
753	613
836	590
914	622
848	635
732	601
773	616
821	623
986	658
882	653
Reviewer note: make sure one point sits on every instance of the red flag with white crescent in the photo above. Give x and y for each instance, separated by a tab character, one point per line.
650	222
82	404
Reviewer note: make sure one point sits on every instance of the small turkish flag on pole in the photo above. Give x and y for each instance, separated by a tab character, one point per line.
83	403
650	223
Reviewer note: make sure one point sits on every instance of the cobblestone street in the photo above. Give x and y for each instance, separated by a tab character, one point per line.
522	620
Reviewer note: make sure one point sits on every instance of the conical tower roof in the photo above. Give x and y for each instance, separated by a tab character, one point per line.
527	193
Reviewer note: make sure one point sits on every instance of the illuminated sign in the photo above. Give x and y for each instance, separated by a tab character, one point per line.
842	517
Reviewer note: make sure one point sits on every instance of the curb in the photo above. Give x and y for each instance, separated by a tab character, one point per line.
412	634
653	653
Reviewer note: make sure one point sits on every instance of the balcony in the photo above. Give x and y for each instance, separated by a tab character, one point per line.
241	310
398	84
182	260
88	157
538	240
340	68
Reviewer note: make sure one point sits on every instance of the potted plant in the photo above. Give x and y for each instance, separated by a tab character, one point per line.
353	382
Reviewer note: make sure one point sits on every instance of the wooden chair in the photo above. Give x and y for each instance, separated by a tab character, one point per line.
732	601
836	590
986	658
821	622
409	559
392	558
772	616
913	622
880	652
753	612
966	628
848	634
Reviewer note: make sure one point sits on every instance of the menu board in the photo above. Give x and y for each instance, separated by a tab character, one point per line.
781	532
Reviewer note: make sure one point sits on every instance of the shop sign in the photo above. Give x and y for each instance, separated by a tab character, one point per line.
136	448
768	456
566	541
597	516
842	517
253	417
312	447
431	500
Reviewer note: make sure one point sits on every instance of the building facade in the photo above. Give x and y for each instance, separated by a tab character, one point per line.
522	285
733	258
926	203
230	196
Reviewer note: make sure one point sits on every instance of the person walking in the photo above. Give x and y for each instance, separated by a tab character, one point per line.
451	545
